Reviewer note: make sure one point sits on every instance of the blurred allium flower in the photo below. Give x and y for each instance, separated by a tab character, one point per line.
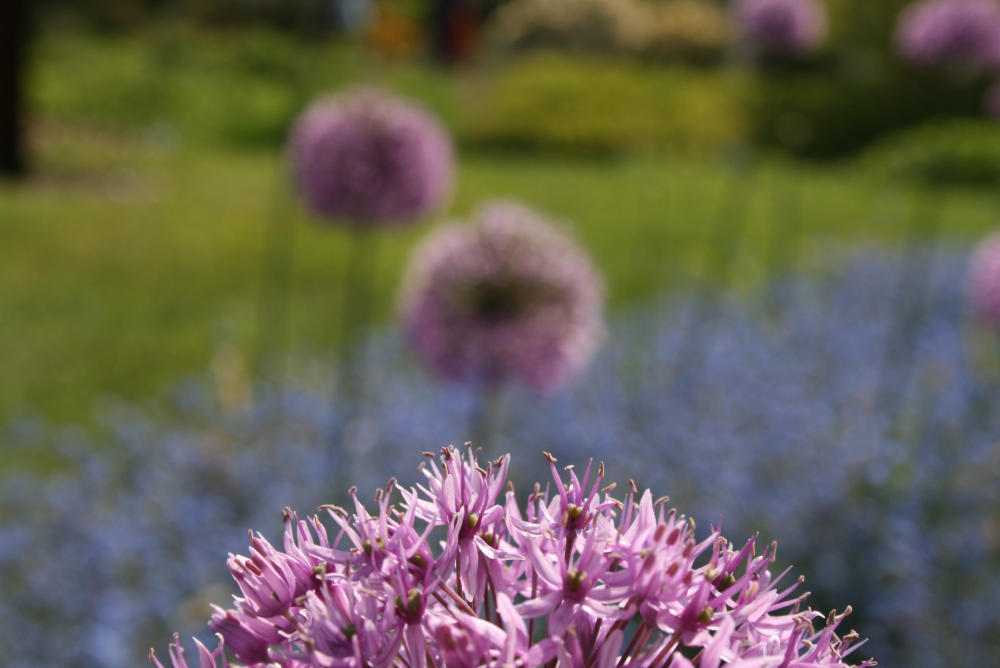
951	32
368	158
984	279
508	298
576	578
781	27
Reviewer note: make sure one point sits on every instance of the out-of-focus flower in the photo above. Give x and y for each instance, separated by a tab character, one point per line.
507	298
608	582
781	27
964	33
370	159
984	279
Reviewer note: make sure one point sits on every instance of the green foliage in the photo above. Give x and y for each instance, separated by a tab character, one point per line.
237	88
833	111
863	24
586	105
307	16
958	152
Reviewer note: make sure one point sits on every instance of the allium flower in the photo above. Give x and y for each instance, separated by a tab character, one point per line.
781	27
368	158
984	279
508	298
951	32
579	578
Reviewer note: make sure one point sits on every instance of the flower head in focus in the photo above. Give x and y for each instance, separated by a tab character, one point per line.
507	298
964	33
781	27
370	159
578	578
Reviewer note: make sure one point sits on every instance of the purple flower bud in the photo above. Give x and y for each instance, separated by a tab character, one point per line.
781	27
206	658
963	33
265	578
241	635
507	298
369	159
465	640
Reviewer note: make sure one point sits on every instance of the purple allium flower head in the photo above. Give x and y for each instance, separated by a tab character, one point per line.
984	279
607	583
781	27
370	159
507	298
965	33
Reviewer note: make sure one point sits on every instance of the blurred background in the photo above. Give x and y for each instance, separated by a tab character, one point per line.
783	230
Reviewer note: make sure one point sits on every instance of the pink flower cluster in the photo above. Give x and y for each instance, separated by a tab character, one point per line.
370	159
456	573
508	298
951	32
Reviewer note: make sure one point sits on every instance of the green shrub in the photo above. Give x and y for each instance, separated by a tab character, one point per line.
125	15
957	152
832	111
588	105
233	87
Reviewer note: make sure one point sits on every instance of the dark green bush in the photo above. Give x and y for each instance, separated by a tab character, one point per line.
833	111
956	152
302	16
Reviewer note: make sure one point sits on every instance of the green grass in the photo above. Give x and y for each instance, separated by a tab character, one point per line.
125	265
134	256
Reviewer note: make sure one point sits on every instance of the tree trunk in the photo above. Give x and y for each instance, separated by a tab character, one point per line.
13	26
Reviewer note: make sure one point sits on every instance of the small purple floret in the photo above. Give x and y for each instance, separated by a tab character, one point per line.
370	159
954	33
507	298
781	27
571	579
